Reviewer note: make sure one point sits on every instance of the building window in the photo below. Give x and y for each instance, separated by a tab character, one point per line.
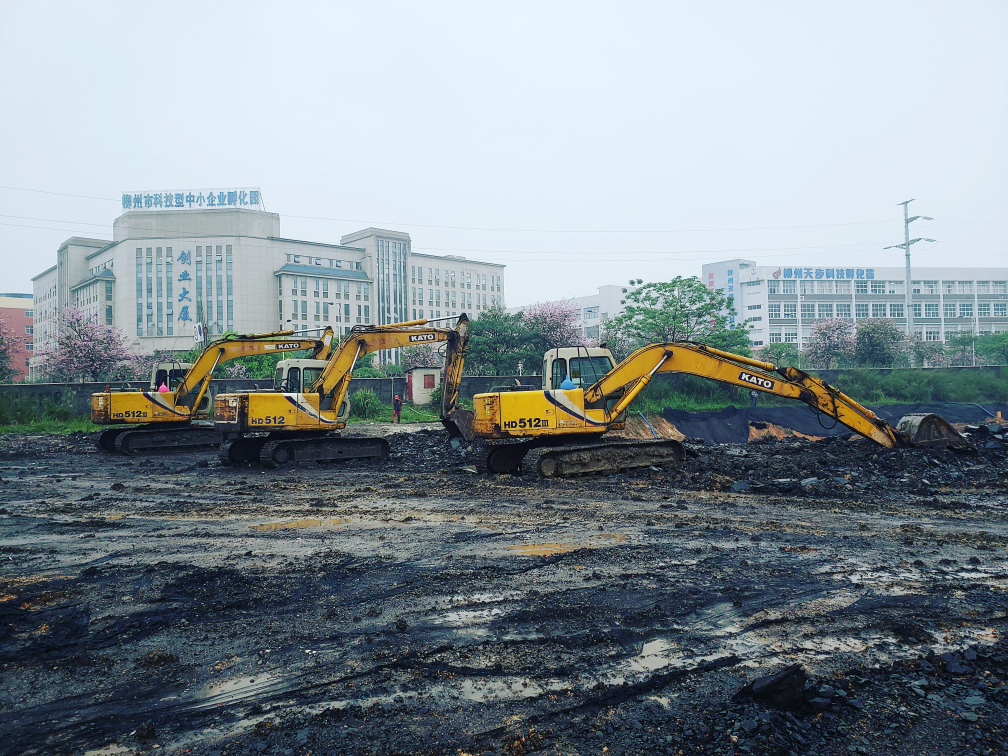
999	287
895	310
824	287
983	287
790	310
316	287
843	310
950	310
775	337
755	307
930	309
29	313
773	287
860	287
825	310
897	287
318	311
591	313
843	287
860	310
1000	309
790	337
807	287
808	311
878	287
878	310
932	334
304	310
965	287
916	309
983	309
789	287
965	309
108	316
325	289
29	329
949	287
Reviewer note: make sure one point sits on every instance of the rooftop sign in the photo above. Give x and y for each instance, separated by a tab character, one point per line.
247	198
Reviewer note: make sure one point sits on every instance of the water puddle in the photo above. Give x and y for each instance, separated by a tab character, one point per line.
654	655
109	750
598	541
543	549
308	523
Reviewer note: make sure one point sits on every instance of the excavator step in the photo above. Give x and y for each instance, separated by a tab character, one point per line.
144	439
275	453
606	458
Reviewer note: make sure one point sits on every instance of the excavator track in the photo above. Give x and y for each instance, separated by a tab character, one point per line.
278	452
107	438
240	450
138	439
602	458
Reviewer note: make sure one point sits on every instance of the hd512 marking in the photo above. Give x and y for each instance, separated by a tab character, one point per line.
527	422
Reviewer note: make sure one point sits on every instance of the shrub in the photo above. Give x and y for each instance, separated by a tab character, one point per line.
365	404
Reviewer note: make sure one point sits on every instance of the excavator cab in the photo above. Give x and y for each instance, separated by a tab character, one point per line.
294	376
170	373
583	365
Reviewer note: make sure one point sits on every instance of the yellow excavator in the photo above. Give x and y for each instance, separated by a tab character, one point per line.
151	419
585	394
287	425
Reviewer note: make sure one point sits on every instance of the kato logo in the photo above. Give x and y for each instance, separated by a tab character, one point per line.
286	345
422	337
755	380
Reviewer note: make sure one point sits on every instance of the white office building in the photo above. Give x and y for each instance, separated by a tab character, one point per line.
217	258
782	303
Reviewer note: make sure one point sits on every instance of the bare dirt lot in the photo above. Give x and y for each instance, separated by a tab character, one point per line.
165	604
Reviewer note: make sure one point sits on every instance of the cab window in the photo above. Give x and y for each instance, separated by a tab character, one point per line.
559	372
588	370
310	376
277	379
293	382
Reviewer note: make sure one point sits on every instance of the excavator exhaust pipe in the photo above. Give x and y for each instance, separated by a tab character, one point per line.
930	430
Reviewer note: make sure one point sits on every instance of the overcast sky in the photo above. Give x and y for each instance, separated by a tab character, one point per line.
581	144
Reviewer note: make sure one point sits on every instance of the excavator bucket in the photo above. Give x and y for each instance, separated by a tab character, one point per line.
930	430
459	424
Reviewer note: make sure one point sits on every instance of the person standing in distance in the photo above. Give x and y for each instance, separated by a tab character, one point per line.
397	409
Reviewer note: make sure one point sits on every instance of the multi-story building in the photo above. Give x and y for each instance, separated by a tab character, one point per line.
17	316
217	259
782	303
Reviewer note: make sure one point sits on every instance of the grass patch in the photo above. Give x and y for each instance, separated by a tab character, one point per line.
53	426
410	414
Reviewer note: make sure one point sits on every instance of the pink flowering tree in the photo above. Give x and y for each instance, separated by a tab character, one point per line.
831	345
547	326
86	350
7	345
421	356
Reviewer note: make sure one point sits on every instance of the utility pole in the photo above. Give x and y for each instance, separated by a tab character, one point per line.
906	247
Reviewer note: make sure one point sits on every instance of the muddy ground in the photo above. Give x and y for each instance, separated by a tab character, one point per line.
165	604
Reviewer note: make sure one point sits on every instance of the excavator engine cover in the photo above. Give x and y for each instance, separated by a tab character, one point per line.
930	430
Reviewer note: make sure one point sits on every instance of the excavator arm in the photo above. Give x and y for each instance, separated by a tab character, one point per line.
334	382
634	373
194	384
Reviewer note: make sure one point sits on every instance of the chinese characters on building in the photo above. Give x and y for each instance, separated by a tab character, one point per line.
249	198
853	273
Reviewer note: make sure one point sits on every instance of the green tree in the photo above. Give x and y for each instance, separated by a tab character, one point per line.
878	342
927	353
994	348
498	341
780	353
682	309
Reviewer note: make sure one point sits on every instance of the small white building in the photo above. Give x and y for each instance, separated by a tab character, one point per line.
593	310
